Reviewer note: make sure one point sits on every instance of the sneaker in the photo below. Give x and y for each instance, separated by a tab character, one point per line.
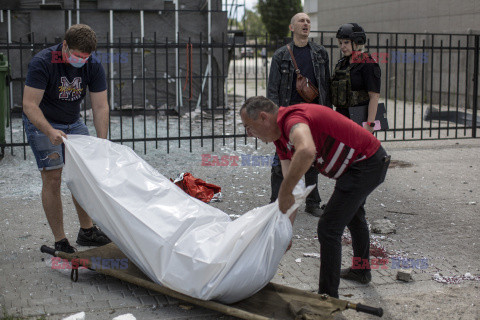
92	237
64	246
362	277
314	210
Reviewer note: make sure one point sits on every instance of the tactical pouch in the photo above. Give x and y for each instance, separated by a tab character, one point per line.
334	92
342	93
339	90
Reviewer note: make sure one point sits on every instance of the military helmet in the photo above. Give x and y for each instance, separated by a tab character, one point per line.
353	32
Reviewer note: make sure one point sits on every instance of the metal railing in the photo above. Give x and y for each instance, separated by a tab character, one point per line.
429	86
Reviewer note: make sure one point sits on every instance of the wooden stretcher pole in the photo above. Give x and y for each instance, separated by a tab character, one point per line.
216	306
307	297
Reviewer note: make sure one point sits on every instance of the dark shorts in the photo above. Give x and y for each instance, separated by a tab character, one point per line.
42	147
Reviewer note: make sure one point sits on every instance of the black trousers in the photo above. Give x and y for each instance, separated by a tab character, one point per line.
311	178
346	208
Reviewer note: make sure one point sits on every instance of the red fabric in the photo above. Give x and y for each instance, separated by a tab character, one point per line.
339	141
198	188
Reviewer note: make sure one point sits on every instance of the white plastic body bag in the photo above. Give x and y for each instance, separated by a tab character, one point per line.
175	239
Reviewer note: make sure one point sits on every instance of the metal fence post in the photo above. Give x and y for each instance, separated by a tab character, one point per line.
475	87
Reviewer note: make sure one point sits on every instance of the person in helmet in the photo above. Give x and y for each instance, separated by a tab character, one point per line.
355	82
356	78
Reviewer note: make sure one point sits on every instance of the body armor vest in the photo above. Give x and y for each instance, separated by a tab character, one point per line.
341	88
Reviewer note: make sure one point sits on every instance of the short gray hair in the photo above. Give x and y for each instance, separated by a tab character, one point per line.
254	105
292	21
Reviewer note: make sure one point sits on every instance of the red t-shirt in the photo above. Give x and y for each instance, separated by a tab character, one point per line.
339	141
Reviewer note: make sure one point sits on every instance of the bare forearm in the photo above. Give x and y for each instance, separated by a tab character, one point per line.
301	137
299	165
295	170
31	101
372	106
100	121
35	115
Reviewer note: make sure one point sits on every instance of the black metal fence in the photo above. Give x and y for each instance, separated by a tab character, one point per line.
429	83
165	94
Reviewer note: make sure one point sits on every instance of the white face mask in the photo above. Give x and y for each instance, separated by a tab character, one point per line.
75	61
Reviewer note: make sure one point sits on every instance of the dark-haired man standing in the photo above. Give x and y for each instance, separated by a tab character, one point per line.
56	84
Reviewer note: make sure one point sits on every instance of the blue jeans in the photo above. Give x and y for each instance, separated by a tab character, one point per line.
42	147
345	209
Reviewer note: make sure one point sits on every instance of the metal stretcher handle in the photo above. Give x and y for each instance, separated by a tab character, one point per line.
370	310
51	251
48	250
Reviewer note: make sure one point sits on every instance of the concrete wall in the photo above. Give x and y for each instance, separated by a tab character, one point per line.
30	23
445	64
442	16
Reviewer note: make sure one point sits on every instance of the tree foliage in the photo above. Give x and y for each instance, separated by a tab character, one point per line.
276	15
254	24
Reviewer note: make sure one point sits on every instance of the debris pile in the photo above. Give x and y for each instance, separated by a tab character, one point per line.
455	279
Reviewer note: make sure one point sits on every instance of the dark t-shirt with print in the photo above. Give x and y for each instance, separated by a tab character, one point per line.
65	86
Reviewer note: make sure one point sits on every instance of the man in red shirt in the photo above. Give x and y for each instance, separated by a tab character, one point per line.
307	134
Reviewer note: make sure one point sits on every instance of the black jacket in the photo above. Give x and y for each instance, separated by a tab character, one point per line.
279	88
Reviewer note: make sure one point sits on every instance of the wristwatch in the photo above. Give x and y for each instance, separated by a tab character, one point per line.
371	124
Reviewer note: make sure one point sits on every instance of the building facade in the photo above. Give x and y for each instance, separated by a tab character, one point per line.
433	16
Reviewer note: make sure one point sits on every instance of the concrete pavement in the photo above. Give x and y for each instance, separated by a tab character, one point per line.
434	202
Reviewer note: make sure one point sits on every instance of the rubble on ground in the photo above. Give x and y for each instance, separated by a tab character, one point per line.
383	226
